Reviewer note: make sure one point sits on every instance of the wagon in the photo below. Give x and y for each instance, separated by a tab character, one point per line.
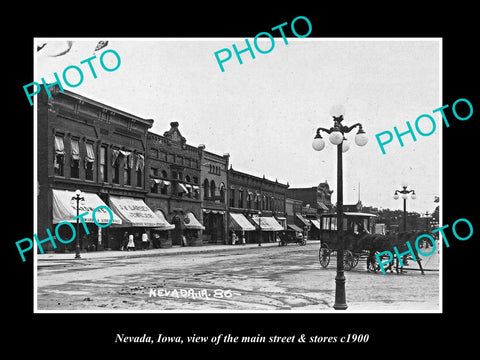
360	241
291	236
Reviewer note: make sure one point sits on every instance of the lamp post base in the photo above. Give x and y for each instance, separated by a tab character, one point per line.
340	297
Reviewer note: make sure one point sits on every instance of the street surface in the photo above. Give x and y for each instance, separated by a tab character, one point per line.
264	278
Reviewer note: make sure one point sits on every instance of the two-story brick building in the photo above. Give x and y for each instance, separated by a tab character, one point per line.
88	146
252	201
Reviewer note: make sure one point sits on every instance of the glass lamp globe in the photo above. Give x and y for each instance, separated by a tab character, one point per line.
345	145
337	110
414	196
336	137
318	144
361	138
78	192
395	196
404	196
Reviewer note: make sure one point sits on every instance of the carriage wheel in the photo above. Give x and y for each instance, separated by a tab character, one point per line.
356	259
348	260
373	263
324	256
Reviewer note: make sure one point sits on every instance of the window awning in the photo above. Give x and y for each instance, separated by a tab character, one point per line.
64	210
268	223
208	211
303	220
192	223
294	227
134	212
316	223
165	224
182	188
239	222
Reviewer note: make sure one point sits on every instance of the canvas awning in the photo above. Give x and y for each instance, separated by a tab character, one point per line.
192	223
134	212
209	211
303	220
182	188
165	224
294	227
64	210
238	222
268	223
316	223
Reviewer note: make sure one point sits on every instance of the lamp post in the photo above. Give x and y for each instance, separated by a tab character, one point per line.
79	197
260	228
337	137
404	193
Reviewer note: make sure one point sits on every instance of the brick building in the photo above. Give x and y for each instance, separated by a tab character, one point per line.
99	150
252	201
173	169
310	203
214	195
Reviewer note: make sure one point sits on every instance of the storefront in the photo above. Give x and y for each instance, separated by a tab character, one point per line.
269	227
187	230
239	225
214	221
160	235
304	224
136	218
315	229
64	209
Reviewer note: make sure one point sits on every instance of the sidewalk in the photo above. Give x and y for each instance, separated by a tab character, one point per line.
46	259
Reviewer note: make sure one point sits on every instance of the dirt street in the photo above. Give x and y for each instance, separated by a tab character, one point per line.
250	279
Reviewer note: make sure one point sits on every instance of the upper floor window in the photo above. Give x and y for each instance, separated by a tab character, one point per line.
103	163
89	161
59	156
75	163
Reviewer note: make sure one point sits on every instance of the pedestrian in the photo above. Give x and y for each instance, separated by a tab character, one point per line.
123	245
145	240
131	243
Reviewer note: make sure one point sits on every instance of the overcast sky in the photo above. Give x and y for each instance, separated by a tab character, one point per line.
265	112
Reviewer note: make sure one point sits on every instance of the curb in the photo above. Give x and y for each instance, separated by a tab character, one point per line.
45	258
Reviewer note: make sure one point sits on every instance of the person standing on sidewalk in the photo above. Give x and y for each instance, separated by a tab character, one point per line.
144	240
131	243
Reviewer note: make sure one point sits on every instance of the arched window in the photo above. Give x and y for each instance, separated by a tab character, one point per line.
187	178
206	189
164	174
212	188
222	192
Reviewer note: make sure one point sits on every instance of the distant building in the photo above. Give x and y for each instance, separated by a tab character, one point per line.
315	200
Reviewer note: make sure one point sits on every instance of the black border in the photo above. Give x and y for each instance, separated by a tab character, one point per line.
84	333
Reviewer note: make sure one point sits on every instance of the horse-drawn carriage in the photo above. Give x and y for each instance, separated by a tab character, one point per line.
361	242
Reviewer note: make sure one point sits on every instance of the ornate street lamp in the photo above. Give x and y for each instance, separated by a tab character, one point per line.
404	193
337	137
78	199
